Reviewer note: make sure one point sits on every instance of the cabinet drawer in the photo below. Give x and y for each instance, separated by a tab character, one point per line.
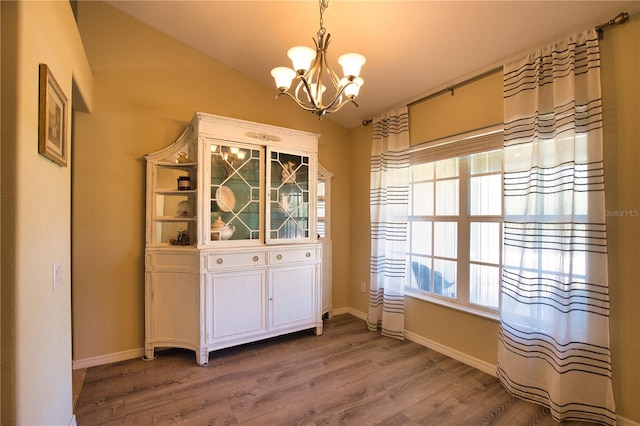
298	255
227	260
172	260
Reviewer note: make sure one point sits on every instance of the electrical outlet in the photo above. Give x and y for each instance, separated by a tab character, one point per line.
57	275
363	286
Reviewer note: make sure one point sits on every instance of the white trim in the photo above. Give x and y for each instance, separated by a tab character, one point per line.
476	363
469	309
73	421
351	311
476	136
107	359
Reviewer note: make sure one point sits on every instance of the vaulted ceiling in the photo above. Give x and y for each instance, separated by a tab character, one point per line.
413	48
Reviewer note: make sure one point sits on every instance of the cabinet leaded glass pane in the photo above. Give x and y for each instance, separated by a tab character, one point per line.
235	193
289	196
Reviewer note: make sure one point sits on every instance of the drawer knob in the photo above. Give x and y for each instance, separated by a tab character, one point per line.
255	258
219	260
279	257
308	254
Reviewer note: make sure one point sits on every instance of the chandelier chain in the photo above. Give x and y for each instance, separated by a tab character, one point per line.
324	4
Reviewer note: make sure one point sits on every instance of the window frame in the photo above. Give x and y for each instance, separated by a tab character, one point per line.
461	147
326	177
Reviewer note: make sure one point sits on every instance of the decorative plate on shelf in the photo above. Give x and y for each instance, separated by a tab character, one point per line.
184	209
225	198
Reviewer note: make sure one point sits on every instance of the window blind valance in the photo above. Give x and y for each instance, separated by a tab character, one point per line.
482	140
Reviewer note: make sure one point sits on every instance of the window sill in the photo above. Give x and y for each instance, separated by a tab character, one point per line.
495	316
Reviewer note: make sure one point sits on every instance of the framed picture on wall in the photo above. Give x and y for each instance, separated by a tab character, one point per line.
52	119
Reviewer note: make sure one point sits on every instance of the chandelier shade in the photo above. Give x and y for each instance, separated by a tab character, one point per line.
311	71
283	77
351	63
301	57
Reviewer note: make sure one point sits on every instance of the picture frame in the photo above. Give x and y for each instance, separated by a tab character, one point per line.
52	119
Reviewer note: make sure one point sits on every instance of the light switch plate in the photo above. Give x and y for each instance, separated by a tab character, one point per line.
57	275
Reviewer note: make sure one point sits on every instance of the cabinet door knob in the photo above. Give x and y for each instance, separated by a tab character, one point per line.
220	260
255	258
308	254
279	257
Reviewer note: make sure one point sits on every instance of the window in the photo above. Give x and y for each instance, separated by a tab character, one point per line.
324	203
322	212
454	247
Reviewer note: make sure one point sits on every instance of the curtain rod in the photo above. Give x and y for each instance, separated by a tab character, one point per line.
620	18
449	89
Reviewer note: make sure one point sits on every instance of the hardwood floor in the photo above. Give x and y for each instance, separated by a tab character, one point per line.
347	376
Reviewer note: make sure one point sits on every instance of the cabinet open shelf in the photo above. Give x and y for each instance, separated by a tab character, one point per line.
174	218
176	191
174	165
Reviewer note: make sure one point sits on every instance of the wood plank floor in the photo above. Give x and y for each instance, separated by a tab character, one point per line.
347	376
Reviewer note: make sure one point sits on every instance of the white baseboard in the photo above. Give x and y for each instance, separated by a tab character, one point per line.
476	363
347	310
107	359
445	350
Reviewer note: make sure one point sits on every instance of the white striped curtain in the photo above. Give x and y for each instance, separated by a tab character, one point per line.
554	337
389	198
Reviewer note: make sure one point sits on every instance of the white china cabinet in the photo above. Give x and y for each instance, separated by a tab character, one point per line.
232	252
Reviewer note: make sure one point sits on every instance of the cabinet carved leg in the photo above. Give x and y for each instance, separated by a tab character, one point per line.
318	330
149	352
202	356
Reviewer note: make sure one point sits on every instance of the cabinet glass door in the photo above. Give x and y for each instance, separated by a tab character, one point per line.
289	195
235	203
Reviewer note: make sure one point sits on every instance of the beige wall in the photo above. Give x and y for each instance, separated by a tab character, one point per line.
359	217
147	88
472	106
36	207
480	104
620	64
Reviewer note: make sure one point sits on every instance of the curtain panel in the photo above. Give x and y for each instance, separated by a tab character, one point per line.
554	337
389	199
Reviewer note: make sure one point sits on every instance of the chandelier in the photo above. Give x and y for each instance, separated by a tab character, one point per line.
311	69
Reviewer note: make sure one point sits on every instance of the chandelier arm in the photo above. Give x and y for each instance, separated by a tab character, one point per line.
305	83
341	104
318	43
337	99
319	84
300	104
335	79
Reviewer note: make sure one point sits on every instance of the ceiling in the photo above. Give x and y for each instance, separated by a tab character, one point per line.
413	48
